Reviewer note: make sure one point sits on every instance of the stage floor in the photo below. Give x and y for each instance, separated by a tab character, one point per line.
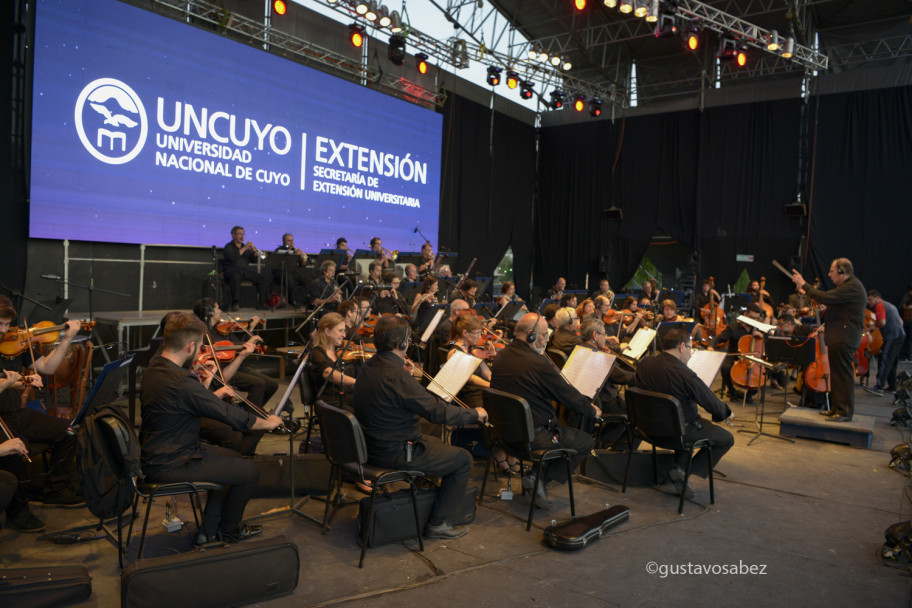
808	515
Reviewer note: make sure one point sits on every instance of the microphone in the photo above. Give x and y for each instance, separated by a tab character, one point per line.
415	231
52	277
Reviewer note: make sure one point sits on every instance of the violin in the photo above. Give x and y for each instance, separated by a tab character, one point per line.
225	351
223	328
17	340
358	352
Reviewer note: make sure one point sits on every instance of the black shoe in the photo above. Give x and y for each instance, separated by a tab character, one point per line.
445	530
541	496
240	533
25	521
65	499
827	412
839	418
676	476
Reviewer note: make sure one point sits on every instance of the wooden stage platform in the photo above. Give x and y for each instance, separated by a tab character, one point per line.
809	424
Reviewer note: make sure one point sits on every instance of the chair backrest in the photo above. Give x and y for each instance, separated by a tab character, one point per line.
343	439
558	356
509	416
108	462
304	386
657	417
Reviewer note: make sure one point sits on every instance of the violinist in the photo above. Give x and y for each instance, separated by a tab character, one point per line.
604	290
351	313
444	328
391	301
468	291
594	337
236	259
565	335
669	310
632	319
732	334
324	291
297	279
568	300
173	403
426	298
602	306
36	427
328	339
259	387
586	309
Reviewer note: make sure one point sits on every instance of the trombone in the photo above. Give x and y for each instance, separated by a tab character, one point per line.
392	255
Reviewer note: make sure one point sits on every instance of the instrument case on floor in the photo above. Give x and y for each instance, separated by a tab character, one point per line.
393	520
44	587
578	532
216	577
311	475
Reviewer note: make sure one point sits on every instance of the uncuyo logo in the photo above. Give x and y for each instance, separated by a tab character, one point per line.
111	121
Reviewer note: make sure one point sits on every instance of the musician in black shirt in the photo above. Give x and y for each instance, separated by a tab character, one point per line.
389	403
732	334
237	257
324	290
173	403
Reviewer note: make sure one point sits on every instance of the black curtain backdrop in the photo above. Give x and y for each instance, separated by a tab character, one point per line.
487	185
861	208
717	182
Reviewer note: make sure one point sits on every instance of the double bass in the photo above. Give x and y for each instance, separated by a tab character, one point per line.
817	374
712	317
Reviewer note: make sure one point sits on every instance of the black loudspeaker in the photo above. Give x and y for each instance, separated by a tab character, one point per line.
614	214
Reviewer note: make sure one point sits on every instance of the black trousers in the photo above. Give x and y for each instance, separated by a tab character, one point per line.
234	276
722	442
259	387
35	428
8	484
222	435
842	379
223	509
562	437
435	458
886	363
14	488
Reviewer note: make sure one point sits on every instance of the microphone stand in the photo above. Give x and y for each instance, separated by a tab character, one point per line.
426	240
319	308
19	296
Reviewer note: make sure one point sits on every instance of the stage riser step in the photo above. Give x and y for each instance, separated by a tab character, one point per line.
807	423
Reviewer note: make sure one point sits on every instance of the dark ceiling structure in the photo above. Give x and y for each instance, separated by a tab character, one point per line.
604	44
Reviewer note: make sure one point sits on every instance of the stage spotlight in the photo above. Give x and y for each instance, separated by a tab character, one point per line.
741	59
555	60
395	22
579	104
773	43
533	53
567	65
641	9
512	80
421	63
361	7
525	90
789	50
543	56
665	27
611	3
384	20
626	6
557	100
652	15
372	12
494	76
356	35
692	38
595	108
579	4
279	7
396	50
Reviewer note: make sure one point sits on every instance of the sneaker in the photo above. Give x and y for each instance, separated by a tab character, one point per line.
240	533
676	476
874	391
541	496
65	499
25	521
445	531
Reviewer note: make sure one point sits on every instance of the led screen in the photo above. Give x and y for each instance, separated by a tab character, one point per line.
147	130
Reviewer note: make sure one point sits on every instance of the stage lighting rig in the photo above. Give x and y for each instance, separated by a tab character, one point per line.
557	100
396	50
356	35
512	80
494	75
595	108
421	62
525	90
579	104
279	7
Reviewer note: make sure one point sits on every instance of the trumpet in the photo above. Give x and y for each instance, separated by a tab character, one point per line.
257	252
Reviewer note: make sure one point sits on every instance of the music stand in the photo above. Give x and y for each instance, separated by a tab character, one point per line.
512	311
761	412
666	326
791	350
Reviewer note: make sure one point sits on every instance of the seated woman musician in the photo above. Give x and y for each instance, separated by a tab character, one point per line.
464	336
508	291
328	339
426	298
632	320
586	309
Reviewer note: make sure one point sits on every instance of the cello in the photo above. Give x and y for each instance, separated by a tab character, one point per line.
817	374
747	374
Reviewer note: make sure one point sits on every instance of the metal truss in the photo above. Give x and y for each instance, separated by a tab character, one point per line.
746	32
280	42
854	53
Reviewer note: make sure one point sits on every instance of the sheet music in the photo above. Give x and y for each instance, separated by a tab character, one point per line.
453	375
764	327
706	364
432	326
587	369
641	341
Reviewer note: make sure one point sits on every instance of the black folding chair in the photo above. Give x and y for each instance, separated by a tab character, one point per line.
513	431
346	450
658	419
